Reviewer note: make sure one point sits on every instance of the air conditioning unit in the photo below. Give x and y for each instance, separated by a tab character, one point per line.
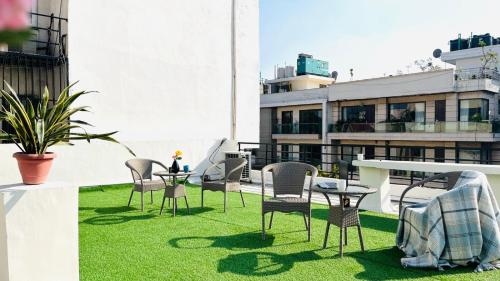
245	176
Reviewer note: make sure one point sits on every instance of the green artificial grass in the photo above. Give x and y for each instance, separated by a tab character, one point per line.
122	243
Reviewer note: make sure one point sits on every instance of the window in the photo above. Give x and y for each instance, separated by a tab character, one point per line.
469	156
439	154
407	112
440	111
474	110
310	153
285	153
310	121
359	114
286	122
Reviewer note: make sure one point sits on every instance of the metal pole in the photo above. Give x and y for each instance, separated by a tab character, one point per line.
233	70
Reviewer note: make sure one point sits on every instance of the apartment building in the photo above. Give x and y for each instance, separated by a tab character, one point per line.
447	115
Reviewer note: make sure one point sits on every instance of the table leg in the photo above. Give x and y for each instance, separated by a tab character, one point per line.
361	238
164	196
187	206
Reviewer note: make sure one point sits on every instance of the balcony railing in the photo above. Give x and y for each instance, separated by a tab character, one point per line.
417	127
297	128
476	73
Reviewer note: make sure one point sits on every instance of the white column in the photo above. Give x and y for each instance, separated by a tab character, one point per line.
39	232
379	201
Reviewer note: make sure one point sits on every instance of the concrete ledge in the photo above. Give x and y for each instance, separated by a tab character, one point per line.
39	232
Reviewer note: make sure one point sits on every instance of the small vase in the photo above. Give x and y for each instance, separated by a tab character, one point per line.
175	167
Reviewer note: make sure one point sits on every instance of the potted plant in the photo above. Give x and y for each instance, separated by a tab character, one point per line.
35	128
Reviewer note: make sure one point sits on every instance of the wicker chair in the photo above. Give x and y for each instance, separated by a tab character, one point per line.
451	179
233	169
141	170
288	187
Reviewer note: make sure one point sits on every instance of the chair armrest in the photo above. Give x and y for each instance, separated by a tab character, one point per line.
263	172
132	170
418	184
210	167
160	164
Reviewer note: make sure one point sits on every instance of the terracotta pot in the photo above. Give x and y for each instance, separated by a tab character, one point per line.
34	168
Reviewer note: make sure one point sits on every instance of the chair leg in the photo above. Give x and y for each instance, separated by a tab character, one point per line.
242	200
345	236
225	201
202	197
341	243
361	238
271	220
151	197
187	205
263	226
309	226
305	220
168	202
175	205
326	235
142	201
130	199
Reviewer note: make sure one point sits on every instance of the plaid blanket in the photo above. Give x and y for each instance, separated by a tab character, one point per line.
458	227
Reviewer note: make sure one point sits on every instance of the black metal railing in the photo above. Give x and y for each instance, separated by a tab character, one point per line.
41	62
324	156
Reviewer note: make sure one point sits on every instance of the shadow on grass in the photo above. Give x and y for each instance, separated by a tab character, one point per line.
375	260
243	241
263	263
115	219
367	220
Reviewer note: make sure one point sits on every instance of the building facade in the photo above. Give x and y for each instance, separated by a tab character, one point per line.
447	115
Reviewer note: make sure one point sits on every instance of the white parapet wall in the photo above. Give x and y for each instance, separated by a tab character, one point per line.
163	71
39	232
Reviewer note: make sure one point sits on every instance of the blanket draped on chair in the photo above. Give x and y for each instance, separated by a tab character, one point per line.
458	227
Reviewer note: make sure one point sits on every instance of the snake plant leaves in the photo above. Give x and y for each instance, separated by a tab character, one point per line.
36	128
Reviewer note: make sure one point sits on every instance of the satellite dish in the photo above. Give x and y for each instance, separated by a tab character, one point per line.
437	53
335	74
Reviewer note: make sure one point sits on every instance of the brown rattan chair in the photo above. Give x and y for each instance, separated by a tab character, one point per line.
450	177
142	170
233	168
288	187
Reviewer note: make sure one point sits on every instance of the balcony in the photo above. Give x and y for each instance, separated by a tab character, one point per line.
476	73
452	131
297	128
416	127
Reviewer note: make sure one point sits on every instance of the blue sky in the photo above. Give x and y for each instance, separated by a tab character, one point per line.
374	37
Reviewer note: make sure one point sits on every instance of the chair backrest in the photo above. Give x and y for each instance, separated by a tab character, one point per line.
142	166
343	169
289	177
231	164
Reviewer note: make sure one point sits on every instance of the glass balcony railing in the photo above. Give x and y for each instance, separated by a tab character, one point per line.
476	73
297	128
417	127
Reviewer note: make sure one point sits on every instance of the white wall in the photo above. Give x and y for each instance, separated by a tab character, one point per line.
163	70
